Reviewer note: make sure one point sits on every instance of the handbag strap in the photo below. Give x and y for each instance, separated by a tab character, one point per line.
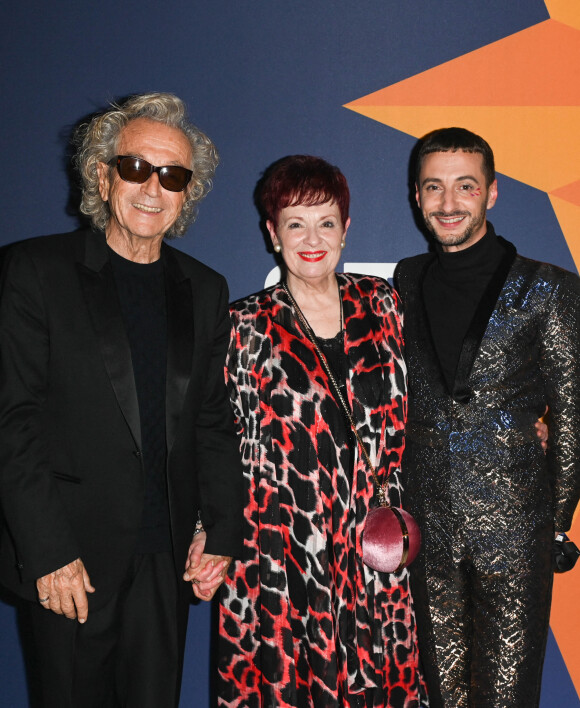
381	491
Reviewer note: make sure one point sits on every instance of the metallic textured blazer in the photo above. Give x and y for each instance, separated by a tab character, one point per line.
521	353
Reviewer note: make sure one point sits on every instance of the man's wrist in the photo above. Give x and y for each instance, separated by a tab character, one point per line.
198	527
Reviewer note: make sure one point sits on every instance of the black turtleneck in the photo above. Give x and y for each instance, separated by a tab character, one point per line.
452	289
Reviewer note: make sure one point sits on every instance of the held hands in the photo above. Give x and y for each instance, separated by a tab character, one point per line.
205	571
64	591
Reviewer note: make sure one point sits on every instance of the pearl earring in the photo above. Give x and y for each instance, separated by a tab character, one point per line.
342	244
277	247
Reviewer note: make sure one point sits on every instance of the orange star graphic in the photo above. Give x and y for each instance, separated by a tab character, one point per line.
522	94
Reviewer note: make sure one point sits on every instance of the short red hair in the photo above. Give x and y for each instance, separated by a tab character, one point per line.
303	180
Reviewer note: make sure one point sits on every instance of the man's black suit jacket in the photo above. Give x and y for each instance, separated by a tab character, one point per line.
71	474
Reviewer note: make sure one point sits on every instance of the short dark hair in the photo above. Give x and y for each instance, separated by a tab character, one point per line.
452	140
306	180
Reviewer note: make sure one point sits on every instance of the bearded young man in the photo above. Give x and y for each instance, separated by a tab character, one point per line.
492	339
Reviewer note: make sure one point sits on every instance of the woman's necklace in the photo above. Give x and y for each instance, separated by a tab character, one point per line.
381	488
302	317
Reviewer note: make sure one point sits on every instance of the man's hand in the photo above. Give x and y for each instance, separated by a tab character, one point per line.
205	571
65	591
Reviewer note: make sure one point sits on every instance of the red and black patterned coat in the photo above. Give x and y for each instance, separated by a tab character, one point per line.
303	622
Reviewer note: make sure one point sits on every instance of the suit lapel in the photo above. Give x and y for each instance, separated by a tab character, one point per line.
98	284
420	325
180	347
472	342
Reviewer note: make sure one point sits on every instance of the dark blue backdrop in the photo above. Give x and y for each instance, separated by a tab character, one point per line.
263	79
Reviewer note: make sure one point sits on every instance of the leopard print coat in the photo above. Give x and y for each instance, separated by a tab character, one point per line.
303	622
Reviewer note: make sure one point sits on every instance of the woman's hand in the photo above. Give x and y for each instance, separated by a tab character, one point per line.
205	571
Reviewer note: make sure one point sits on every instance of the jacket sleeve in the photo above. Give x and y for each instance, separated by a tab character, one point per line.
397	279
218	464
560	366
391	312
43	538
232	376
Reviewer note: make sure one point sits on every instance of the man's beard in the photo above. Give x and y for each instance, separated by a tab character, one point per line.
473	225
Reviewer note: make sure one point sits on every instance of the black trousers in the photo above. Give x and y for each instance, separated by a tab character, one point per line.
128	654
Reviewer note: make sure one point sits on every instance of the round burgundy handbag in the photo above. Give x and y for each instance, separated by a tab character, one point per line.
391	539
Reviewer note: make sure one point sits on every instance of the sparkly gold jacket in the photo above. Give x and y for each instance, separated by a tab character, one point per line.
475	446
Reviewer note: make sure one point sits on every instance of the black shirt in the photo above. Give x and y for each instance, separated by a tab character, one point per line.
141	290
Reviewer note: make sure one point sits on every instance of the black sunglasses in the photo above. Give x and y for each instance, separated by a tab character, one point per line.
174	178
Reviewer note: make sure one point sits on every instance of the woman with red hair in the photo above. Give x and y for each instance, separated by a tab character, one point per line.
303	621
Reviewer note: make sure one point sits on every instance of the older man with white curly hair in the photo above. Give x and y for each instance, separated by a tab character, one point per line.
119	465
